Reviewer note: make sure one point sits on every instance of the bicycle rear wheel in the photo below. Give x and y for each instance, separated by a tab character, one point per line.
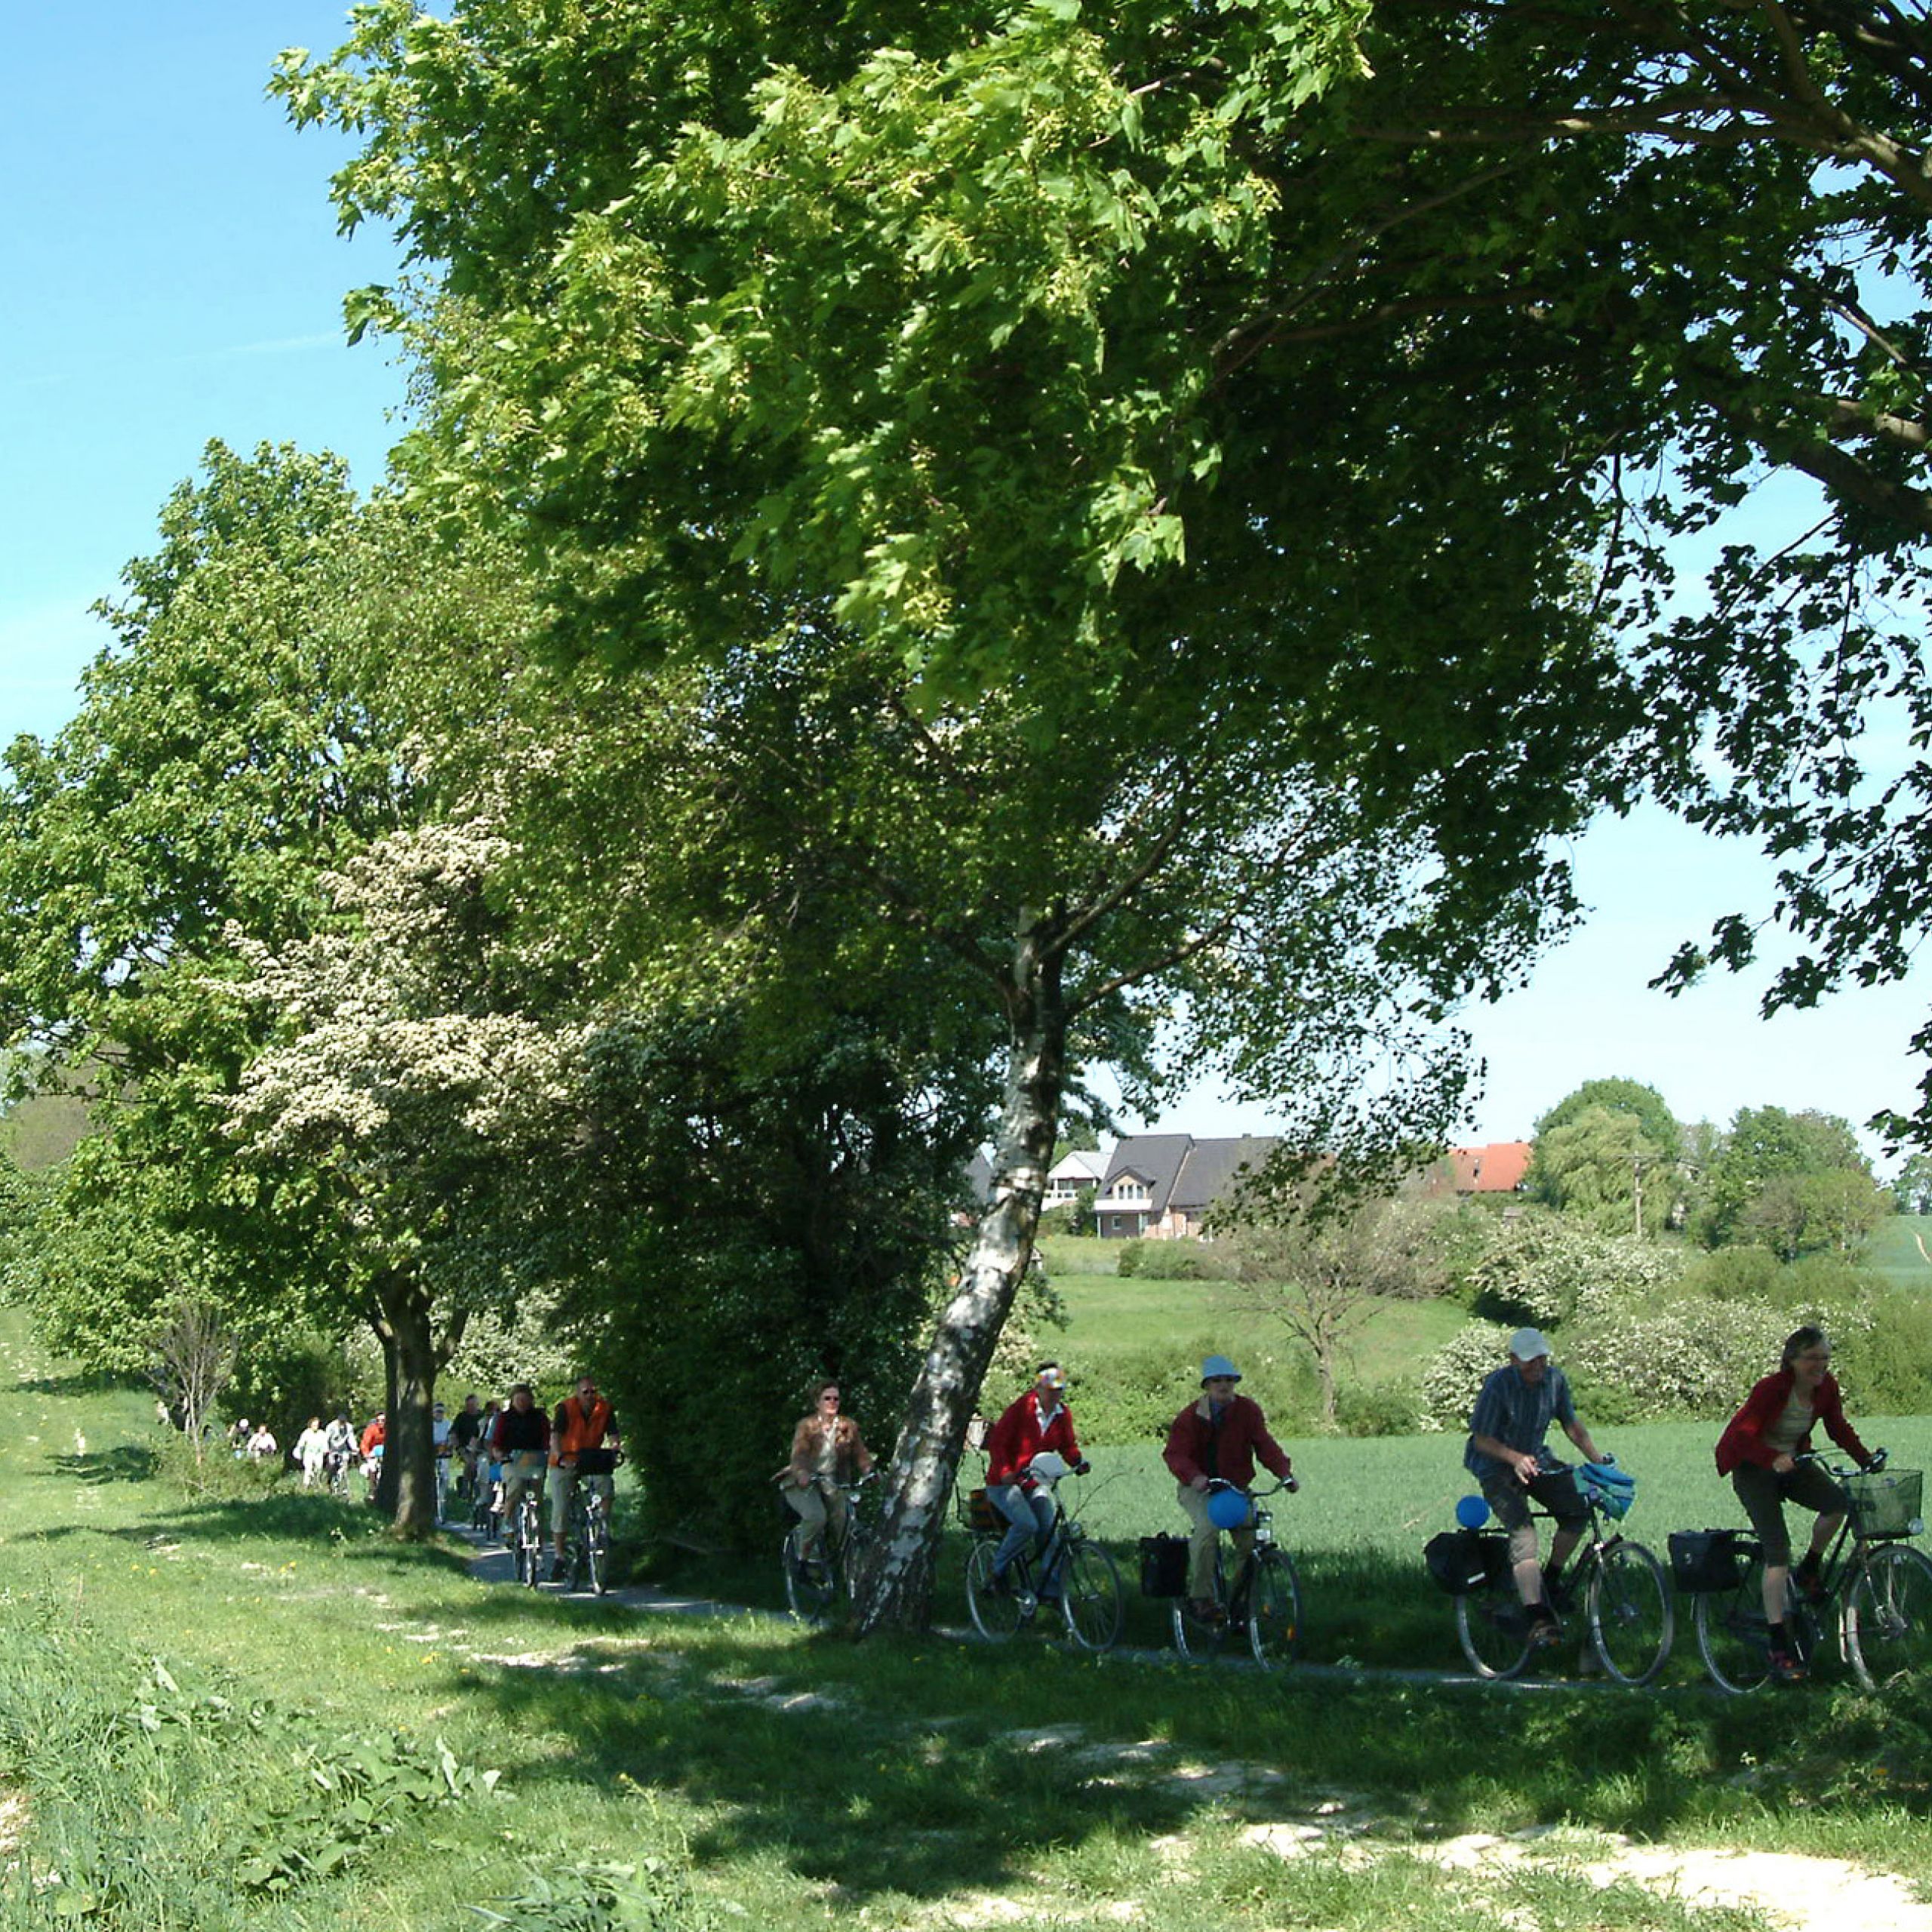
1200	1636
528	1537
1494	1630
996	1615
1733	1634
1632	1622
1274	1609
1092	1600
1888	1618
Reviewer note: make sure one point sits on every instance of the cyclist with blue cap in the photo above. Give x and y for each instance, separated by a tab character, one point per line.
1507	1455
1219	1437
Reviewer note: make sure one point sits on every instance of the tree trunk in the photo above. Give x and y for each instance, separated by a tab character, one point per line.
412	1356
895	1590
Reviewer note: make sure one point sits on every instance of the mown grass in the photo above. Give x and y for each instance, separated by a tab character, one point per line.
261	1712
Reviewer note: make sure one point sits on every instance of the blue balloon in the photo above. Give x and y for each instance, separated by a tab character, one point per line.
1228	1509
1472	1513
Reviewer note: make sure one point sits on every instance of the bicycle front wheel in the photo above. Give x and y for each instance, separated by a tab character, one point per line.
1092	1599
1494	1630
595	1566
1274	1609
1888	1618
996	1615
1733	1634
1631	1622
808	1585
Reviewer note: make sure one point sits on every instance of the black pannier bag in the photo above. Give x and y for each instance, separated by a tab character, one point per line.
1702	1561
1463	1562
1163	1566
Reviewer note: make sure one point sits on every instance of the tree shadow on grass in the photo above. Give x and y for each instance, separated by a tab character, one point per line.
127	1462
78	1382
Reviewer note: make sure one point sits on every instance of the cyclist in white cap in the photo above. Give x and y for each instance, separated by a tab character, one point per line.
1509	1457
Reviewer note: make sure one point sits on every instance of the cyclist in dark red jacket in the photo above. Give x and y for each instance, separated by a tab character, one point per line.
1221	1436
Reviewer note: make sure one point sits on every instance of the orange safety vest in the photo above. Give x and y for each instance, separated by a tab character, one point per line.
574	1430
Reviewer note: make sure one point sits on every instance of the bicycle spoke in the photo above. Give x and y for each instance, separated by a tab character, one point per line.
1274	1609
1493	1628
1888	1618
1733	1634
1631	1622
1092	1603
995	1615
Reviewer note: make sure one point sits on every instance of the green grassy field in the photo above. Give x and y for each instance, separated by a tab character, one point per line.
257	1711
1894	1251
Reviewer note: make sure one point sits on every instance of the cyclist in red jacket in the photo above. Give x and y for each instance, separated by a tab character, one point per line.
1037	1422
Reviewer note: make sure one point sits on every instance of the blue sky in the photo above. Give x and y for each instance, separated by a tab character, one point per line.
175	276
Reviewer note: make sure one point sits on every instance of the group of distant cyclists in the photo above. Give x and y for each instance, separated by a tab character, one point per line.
502	1450
1215	1441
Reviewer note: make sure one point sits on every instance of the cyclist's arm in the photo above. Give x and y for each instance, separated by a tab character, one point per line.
1579	1435
1524	1463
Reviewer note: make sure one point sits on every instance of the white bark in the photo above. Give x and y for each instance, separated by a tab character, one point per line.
897	1586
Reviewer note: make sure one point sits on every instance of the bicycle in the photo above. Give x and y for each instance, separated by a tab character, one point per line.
1883	1588
526	1527
813	1584
1627	1607
486	1506
1089	1599
587	1532
1262	1601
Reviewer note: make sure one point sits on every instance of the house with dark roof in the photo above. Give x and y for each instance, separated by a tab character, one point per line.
1163	1184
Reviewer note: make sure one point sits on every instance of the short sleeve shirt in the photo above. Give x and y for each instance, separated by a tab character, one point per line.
1517	1414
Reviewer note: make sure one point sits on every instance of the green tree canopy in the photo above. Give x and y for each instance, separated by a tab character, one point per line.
1765	1146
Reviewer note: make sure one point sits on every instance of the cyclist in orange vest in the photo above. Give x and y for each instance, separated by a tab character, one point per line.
583	1422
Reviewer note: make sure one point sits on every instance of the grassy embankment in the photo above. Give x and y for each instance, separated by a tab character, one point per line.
260	1712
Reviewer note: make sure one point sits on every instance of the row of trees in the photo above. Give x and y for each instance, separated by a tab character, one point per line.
1612	1155
946	547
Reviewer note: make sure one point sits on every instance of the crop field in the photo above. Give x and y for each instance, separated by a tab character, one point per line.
1357	1527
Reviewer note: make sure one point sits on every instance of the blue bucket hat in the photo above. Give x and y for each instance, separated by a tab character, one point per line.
1218	1365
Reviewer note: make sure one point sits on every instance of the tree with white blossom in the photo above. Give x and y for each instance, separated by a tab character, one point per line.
406	1081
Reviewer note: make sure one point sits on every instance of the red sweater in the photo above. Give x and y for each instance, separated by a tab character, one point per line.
1192	1451
1744	1438
1017	1438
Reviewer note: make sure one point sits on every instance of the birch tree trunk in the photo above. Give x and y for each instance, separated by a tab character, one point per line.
895	1589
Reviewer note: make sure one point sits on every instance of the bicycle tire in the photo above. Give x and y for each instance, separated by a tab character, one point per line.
1195	1636
1274	1609
1888	1618
596	1550
805	1598
1631	1620
1493	1629
997	1616
1733	1634
1091	1601
529	1542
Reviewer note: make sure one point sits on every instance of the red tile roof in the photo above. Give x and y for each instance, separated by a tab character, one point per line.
1498	1168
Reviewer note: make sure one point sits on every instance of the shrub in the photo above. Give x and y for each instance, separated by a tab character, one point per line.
1455	1373
1734	1273
1684	1358
1378	1408
1543	1268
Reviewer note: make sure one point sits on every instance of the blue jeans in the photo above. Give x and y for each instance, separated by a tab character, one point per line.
1030	1514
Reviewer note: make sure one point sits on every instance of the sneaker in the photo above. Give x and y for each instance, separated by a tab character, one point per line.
1544	1629
1001	1585
556	1569
1785	1668
1808	1583
1205	1610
